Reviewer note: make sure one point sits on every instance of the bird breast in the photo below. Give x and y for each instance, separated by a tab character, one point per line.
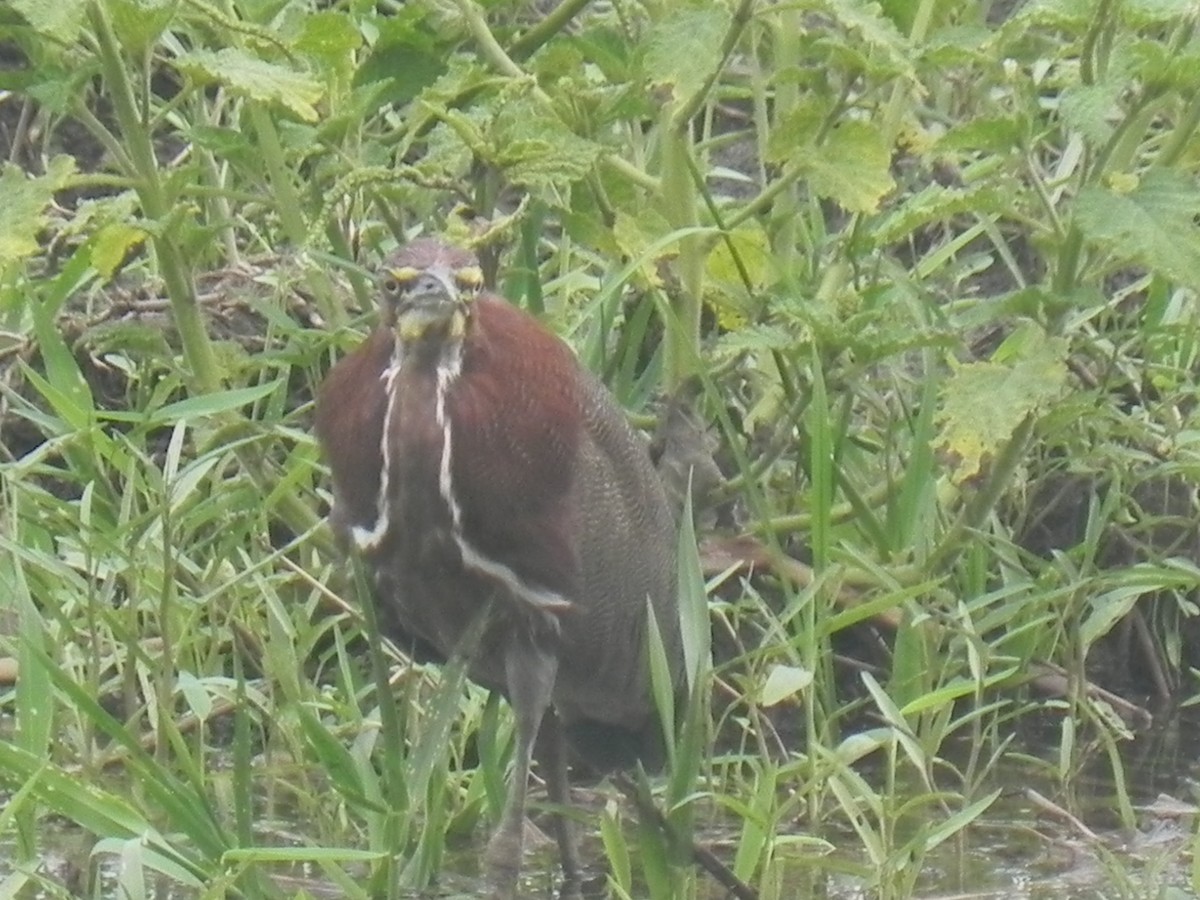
475	485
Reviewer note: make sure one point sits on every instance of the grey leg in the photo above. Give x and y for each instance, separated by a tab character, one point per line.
553	756
530	672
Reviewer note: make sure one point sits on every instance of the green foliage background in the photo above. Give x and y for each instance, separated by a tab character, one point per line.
934	265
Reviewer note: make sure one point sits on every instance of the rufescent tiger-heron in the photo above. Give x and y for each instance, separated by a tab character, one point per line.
477	465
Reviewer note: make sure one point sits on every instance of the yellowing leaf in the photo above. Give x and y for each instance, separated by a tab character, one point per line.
636	237
684	49
113	244
745	253
23	201
983	403
852	168
738	267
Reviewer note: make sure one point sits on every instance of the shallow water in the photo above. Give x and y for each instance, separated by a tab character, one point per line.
1024	847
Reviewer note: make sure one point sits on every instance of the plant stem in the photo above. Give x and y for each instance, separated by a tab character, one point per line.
550	25
176	274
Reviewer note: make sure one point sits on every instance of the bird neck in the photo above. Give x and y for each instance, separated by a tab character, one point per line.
435	350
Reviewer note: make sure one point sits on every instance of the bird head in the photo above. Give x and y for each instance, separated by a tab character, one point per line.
427	289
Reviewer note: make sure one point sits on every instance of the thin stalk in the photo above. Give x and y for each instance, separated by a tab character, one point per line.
679	208
686	111
550	25
901	91
176	275
1181	135
486	42
954	540
291	212
394	775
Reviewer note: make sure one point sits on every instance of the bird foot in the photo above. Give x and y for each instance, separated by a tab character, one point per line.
503	861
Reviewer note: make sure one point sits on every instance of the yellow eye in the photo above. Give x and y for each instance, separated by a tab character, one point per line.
469	278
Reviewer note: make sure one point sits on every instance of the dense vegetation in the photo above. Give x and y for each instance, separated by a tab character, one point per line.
929	269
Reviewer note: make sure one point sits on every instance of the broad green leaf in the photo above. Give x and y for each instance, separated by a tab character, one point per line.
683	50
335	759
959	821
136	854
1146	12
802	123
1093	109
138	23
211	404
695	627
862	744
784	682
1109	608
998	134
1070	15
1154	224
61	20
408	67
36	702
634	236
662	684
984	402
75	798
331	39
852	168
258	79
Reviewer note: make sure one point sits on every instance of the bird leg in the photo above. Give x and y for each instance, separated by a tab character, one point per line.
529	671
553	754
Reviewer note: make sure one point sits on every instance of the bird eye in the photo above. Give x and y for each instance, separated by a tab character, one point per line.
469	278
395	281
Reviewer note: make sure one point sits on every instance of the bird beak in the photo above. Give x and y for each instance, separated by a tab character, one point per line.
431	298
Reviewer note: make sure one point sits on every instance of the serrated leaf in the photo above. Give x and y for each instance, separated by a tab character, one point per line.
138	23
683	50
1066	14
852	168
784	682
1092	109
1154	224
936	203
258	79
867	22
1148	12
983	403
